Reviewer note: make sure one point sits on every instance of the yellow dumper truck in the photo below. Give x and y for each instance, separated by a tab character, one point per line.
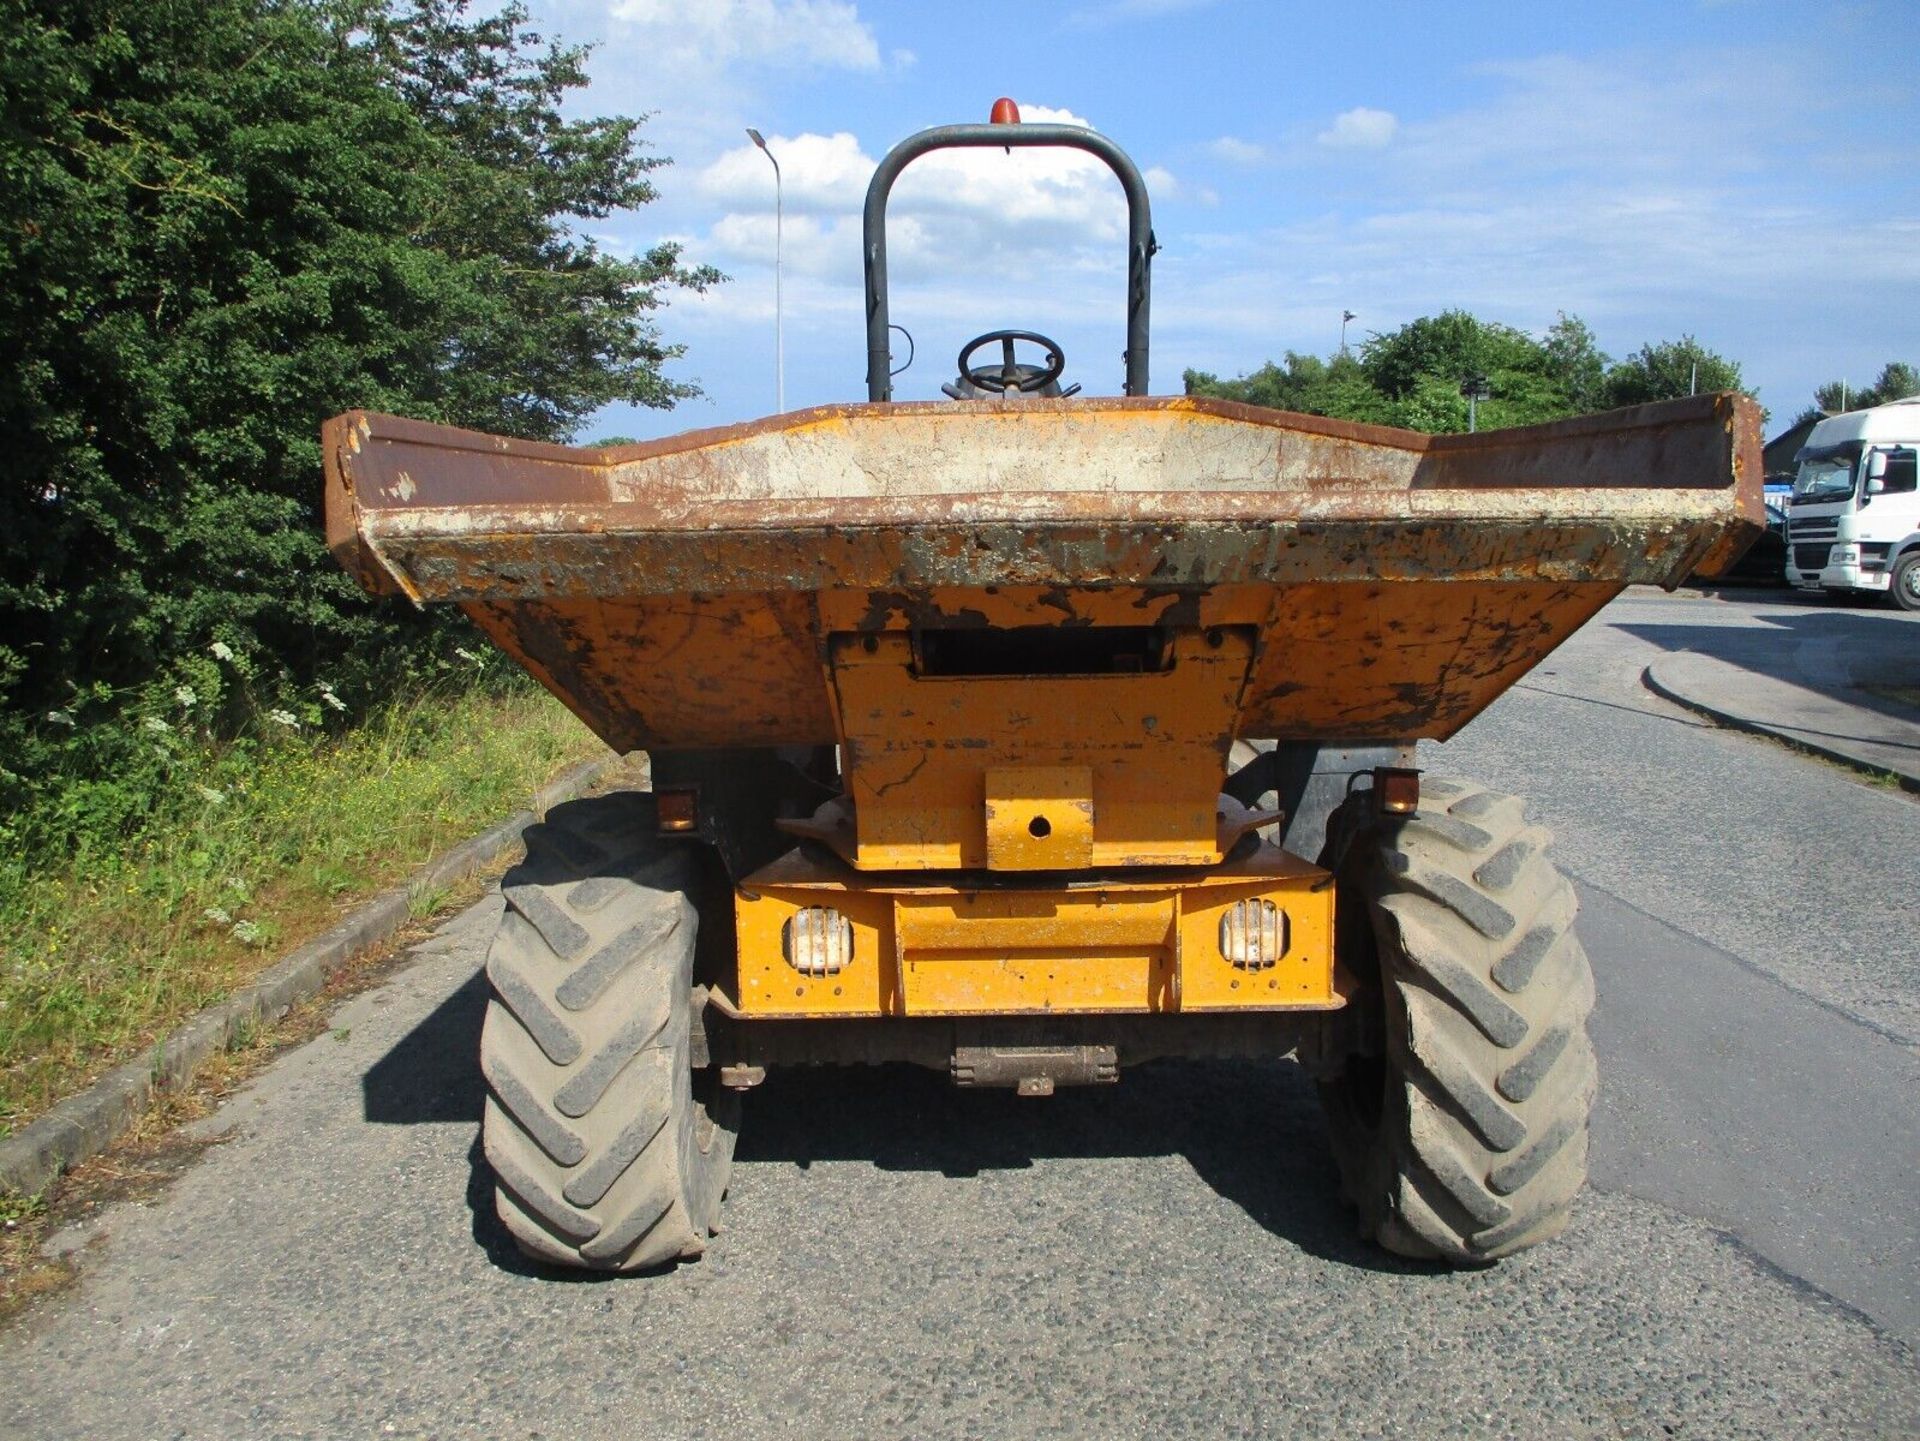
1031	736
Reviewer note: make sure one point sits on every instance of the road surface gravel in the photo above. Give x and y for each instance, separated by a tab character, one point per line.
1165	1258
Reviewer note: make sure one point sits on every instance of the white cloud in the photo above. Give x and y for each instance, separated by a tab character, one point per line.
817	172
713	34
1039	211
1620	122
822	246
1361	128
1236	151
1033	238
1051	189
1652	195
1651	192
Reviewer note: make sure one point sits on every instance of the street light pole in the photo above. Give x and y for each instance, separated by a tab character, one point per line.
779	338
1475	389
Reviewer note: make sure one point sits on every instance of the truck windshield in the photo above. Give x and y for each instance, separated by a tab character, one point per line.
1826	477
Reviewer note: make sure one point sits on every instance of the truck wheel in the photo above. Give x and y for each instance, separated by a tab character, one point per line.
1463	1137
609	1152
1905	583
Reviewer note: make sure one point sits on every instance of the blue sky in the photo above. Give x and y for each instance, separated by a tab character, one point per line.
1744	171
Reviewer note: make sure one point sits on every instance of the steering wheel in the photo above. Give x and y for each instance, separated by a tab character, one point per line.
1011	374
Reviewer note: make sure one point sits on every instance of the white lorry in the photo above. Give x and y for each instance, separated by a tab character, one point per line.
1853	521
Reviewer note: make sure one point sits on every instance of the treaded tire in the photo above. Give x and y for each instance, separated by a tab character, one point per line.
1467	1140
1905	583
609	1153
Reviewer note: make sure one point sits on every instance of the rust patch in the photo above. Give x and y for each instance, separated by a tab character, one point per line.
680	593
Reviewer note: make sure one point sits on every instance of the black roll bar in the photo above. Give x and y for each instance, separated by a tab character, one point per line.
1140	242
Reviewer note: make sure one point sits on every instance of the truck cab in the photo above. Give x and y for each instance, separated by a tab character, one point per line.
1853	520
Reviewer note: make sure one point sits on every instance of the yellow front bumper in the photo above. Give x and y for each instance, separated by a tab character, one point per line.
816	938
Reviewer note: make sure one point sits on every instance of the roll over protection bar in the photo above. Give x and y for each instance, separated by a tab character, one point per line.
1140	242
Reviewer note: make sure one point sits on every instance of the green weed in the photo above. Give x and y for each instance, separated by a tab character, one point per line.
426	900
15	1208
242	1032
244	849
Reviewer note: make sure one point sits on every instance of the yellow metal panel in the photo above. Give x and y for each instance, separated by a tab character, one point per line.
770	986
619	663
922	947
918	749
1437	652
1011	952
1039	818
1027	982
1303	976
1435	655
1034	920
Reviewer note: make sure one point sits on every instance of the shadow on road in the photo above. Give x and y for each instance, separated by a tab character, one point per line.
1250	1130
433	1075
1758	592
1850	649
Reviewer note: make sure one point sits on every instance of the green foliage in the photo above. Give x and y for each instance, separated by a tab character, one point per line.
15	1208
1449	345
1412	377
1897	381
246	848
1577	364
1304	384
222	221
1669	370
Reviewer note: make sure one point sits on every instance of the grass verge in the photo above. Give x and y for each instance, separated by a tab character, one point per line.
142	1164
263	846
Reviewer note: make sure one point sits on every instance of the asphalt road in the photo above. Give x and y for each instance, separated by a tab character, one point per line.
1163	1258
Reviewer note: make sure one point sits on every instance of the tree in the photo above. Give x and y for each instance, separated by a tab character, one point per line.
220	222
1897	381
1304	384
1451	344
550	328
1412	376
1668	370
1422	365
1576	364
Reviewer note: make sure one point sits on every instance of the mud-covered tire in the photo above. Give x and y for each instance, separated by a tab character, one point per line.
609	1152
1467	1139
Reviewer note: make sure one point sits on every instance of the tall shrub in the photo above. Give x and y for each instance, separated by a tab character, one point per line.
220	222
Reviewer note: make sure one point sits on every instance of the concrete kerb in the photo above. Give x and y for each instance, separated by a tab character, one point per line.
83	1125
1667	690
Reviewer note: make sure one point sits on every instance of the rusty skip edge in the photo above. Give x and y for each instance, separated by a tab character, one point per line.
1158	560
1657	492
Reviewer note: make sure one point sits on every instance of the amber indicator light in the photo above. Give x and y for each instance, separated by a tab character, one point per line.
1398	790
678	810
